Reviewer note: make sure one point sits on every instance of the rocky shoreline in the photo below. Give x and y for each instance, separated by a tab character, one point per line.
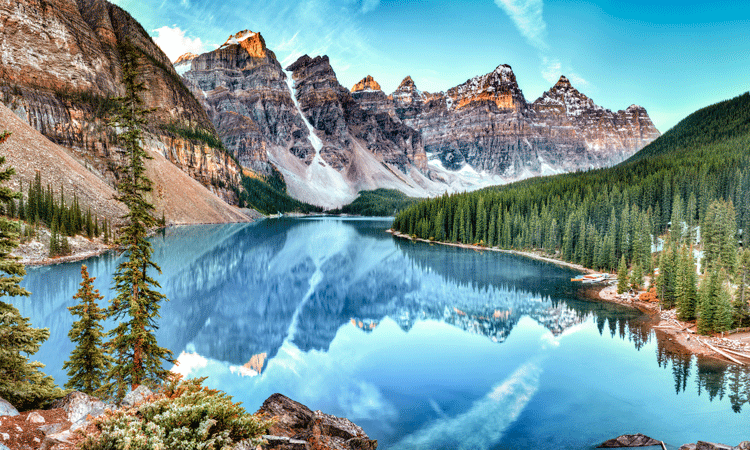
71	419
36	251
666	325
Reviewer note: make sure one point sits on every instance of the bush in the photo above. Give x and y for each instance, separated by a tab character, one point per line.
182	415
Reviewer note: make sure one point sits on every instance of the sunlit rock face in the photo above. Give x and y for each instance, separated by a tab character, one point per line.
243	88
271	118
487	124
60	68
332	109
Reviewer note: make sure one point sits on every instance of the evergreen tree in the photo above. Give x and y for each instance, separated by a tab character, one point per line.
686	286
666	282
724	317
622	276
21	381
636	279
137	357
88	364
708	295
54	244
742	297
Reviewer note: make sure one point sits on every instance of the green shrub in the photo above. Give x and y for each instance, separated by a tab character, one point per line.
182	415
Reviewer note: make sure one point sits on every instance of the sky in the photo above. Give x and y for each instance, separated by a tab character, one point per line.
671	57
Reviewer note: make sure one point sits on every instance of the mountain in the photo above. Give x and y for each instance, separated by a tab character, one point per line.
182	199
60	69
330	142
303	123
487	124
697	170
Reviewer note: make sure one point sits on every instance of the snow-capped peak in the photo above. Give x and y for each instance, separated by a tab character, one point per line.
184	63
235	39
366	84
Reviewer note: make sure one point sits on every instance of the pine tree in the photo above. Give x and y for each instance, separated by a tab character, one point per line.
686	286
666	281
88	364
54	244
742	297
636	279
21	381
622	276
137	357
707	301
724	317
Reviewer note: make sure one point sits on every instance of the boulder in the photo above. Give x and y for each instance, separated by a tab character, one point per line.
745	445
283	443
328	425
290	417
700	445
52	428
316	430
136	396
52	440
80	408
630	440
6	409
35	417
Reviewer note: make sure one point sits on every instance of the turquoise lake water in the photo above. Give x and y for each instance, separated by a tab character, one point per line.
424	346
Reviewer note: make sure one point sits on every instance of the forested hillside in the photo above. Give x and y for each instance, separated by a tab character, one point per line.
696	176
378	202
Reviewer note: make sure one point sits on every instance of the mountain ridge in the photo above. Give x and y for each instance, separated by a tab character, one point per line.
476	134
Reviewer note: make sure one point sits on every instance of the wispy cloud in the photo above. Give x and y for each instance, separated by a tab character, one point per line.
174	42
527	16
552	68
484	424
369	5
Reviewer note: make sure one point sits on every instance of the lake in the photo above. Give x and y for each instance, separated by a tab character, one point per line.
424	346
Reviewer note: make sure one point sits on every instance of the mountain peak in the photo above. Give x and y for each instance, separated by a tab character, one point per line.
504	69
407	82
253	43
366	84
185	58
499	87
563	82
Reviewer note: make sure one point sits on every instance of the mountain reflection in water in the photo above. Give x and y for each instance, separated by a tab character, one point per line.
407	339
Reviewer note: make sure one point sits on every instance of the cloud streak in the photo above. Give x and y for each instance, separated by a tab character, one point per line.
484	424
527	16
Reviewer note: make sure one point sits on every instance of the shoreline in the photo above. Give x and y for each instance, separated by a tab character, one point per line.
666	326
531	255
80	256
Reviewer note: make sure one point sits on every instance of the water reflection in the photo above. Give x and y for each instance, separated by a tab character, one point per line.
403	338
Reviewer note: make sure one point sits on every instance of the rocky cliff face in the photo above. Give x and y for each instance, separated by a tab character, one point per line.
335	111
304	123
487	124
244	90
60	68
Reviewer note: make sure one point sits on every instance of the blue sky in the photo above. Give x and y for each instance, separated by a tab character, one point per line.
672	57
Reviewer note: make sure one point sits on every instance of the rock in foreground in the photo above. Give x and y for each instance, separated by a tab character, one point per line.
320	431
700	445
630	440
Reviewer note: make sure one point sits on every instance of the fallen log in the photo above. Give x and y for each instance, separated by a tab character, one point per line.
734	352
722	353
